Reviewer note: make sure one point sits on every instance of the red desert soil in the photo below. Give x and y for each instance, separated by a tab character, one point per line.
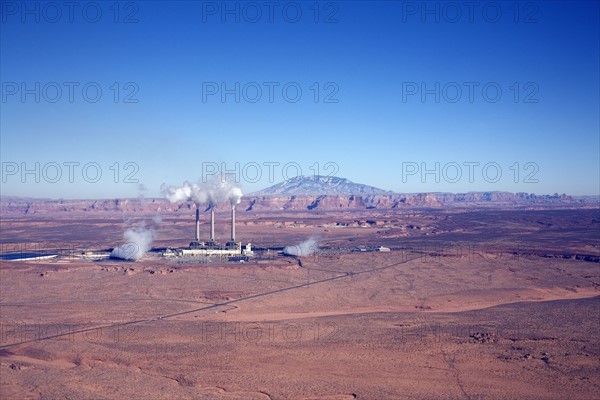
468	304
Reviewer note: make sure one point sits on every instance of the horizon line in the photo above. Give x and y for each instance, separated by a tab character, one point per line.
253	194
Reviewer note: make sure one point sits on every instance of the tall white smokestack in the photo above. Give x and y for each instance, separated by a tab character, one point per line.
197	224
233	223
213	192
212	224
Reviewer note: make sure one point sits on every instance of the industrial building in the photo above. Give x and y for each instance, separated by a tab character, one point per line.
231	249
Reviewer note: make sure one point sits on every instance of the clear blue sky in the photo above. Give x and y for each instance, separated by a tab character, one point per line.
373	58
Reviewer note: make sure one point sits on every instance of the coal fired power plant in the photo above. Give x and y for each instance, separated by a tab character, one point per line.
197	248
210	193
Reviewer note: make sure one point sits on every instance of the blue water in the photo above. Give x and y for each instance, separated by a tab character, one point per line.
18	256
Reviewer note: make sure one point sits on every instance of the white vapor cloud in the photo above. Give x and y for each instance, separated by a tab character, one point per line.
306	248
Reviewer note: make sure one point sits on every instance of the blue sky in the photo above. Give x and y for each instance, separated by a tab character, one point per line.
362	69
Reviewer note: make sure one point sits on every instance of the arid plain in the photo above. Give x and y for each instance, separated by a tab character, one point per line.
475	303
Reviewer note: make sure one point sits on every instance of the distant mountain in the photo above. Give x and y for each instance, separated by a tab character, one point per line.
6	199
318	186
277	202
304	193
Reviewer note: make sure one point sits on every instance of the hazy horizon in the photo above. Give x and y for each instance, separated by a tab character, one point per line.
143	197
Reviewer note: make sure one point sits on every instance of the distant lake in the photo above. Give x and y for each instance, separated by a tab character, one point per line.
21	256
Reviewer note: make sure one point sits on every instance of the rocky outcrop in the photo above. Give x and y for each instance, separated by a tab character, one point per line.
16	206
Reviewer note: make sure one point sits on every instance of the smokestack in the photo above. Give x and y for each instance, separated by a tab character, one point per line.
212	224
233	223
197	224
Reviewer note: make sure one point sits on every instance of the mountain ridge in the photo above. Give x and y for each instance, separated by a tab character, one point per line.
301	203
319	185
305	193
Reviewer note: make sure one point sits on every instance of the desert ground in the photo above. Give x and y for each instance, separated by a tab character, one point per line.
468	304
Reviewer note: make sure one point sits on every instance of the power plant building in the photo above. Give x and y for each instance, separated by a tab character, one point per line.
210	247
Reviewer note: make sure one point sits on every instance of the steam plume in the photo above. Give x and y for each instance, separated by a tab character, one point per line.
137	242
306	248
142	193
212	192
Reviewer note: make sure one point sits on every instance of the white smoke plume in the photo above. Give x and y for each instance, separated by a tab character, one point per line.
235	195
306	248
137	242
212	192
142	193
